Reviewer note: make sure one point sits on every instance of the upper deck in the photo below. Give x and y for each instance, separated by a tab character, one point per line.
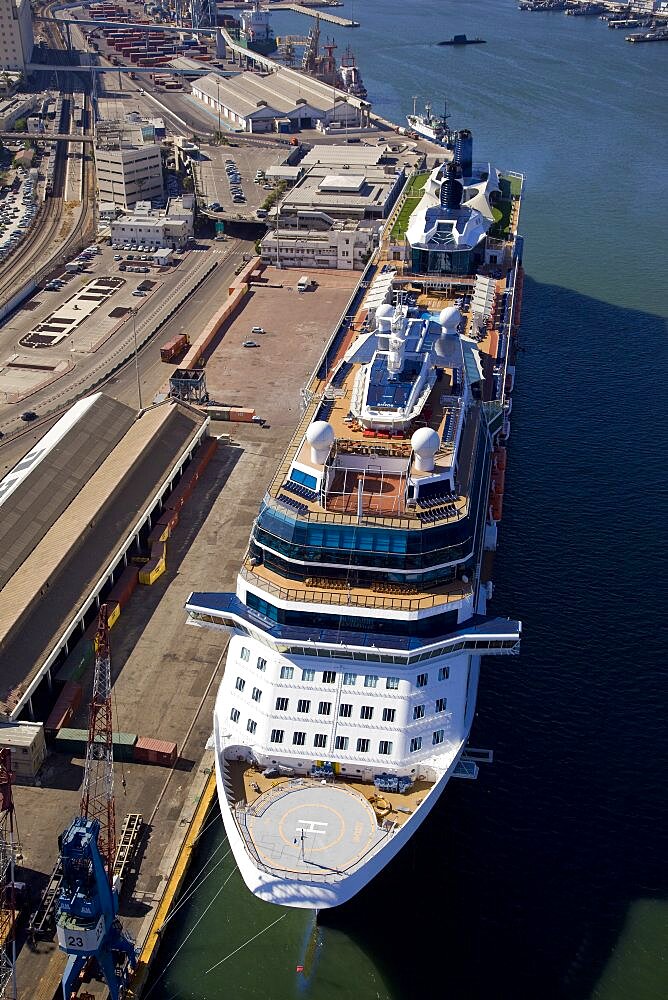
402	374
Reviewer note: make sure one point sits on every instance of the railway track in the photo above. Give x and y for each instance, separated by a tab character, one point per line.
36	256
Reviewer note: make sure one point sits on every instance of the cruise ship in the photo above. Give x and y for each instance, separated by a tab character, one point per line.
360	616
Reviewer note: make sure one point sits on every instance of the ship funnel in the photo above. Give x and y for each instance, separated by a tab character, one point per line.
451	188
425	443
320	435
463	154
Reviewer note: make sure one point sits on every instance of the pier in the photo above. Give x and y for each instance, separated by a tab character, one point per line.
297	8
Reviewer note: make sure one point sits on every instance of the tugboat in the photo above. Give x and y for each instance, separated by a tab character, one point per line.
463	40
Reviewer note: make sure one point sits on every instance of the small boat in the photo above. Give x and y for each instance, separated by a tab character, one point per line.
463	40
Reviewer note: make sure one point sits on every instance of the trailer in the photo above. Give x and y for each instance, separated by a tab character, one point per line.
174	347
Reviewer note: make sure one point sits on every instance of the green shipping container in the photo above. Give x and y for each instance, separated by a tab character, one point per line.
74	741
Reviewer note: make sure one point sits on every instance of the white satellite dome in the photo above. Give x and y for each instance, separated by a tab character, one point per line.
320	435
425	443
385	310
450	318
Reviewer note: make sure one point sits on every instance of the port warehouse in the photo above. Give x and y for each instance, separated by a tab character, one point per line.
278	101
104	468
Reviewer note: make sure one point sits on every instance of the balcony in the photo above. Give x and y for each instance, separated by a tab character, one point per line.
383	596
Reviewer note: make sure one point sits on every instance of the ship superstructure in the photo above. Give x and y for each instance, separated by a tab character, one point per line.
360	615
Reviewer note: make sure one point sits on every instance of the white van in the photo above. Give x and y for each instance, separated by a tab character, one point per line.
304	283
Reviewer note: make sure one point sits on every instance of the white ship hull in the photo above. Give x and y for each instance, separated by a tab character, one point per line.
302	895
419	126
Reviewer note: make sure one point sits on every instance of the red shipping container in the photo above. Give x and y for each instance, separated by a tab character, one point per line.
151	751
125	586
65	707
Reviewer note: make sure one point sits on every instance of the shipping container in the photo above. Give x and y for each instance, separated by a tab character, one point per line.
241	414
156	565
66	705
174	346
124	586
151	751
74	742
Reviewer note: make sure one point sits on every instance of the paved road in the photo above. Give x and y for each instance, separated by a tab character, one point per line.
191	316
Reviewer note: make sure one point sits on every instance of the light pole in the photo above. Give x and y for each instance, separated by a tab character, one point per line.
134	334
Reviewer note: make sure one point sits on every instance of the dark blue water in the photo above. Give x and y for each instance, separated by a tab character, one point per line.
546	878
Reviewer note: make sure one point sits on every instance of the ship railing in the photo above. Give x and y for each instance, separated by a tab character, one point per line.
345	598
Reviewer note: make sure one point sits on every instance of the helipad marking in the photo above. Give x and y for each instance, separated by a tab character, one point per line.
309	826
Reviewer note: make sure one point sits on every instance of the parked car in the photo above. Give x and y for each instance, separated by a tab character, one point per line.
251	343
29	415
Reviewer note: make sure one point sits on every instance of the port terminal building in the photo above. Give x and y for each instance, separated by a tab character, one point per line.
73	512
331	216
282	101
128	164
163	229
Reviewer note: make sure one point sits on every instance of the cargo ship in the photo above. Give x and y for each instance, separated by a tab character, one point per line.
255	31
430	126
360	616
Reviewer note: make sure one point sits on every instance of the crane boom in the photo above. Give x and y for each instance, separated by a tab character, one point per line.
97	796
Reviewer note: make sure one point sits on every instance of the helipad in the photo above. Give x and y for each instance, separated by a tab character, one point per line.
306	827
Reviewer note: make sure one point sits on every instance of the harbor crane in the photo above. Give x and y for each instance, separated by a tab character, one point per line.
88	927
8	905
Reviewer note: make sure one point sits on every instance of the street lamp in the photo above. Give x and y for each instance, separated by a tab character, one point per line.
134	334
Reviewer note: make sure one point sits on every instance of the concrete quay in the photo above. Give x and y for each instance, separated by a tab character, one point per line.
165	675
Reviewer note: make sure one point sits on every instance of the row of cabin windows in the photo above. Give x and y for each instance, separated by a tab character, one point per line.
349	679
345	710
325	708
340	742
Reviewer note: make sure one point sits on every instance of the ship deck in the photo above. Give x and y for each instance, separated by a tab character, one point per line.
383	596
311	827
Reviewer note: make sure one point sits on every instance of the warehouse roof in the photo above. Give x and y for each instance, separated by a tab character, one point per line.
281	93
38	489
55	579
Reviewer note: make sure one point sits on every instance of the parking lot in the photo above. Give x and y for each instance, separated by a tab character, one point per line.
18	208
214	167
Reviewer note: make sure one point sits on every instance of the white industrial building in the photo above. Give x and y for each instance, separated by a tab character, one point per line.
13	108
129	168
345	246
282	101
156	228
16	37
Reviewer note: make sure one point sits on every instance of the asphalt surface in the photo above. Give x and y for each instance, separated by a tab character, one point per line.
199	306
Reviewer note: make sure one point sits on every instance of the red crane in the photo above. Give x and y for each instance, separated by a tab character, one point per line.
97	796
7	883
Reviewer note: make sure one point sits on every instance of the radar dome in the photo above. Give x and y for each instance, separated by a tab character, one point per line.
425	443
385	310
450	318
320	435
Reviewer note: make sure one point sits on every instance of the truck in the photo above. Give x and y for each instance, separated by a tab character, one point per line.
305	283
174	347
72	266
